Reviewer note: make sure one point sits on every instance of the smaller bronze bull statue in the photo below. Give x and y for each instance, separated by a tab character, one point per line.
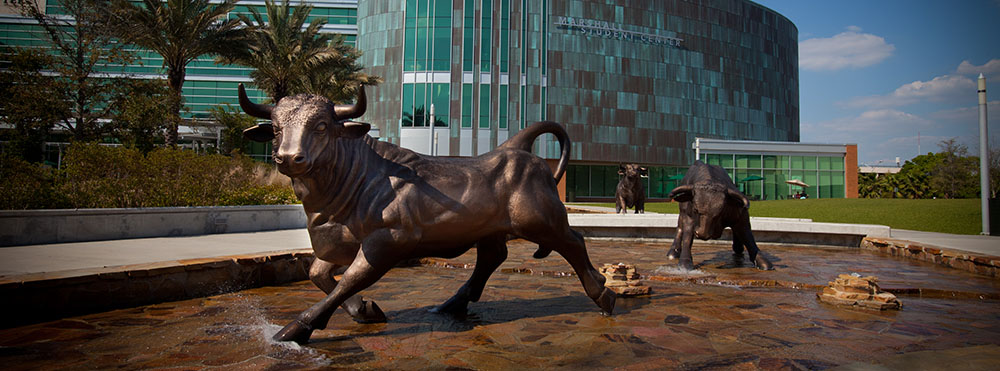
371	204
630	191
710	202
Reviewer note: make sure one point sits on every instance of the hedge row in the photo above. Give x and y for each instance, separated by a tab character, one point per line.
95	176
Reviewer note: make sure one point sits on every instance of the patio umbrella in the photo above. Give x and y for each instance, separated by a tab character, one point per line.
797	182
752	177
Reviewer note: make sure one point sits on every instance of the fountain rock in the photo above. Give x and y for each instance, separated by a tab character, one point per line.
623	280
856	291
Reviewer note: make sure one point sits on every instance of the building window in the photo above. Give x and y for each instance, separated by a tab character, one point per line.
417	101
824	174
467	100
484	106
427	36
486	40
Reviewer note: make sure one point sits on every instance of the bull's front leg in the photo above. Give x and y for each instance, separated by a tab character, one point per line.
683	242
747	237
377	255
321	274
675	246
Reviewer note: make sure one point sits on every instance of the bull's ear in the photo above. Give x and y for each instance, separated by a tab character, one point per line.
354	129
737	198
621	169
682	193
644	172
260	133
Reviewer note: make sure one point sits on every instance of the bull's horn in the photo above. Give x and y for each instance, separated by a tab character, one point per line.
681	190
253	109
351	111
739	197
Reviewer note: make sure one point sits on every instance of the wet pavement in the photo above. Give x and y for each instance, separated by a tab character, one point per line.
534	314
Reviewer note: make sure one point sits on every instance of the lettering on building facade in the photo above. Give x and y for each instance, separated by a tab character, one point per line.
591	27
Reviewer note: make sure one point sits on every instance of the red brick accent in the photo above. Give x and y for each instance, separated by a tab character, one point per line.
851	171
562	181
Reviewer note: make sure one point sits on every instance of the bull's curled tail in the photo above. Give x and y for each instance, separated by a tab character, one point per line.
525	138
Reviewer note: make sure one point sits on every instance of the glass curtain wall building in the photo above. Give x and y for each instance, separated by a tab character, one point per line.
631	81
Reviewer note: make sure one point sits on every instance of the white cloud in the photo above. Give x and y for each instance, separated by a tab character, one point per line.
939	89
850	129
848	49
884	134
990	69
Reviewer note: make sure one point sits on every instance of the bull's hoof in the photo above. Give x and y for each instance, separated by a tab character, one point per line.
370	313
541	253
607	301
673	254
454	307
296	331
686	265
763	264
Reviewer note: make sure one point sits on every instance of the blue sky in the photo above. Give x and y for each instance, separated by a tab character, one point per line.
884	73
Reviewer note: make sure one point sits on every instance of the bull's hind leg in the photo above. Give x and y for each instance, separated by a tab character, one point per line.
572	247
490	253
321	274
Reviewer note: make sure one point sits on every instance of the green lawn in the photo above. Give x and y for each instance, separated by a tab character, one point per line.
948	216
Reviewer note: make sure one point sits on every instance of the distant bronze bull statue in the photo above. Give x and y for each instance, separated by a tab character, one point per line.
710	202
372	204
630	191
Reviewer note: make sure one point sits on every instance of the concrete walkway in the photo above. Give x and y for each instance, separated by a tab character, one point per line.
100	255
986	245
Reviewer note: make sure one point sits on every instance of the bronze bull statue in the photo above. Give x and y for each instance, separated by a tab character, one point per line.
372	204
630	190
710	202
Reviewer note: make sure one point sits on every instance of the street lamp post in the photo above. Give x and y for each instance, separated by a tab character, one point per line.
984	158
430	149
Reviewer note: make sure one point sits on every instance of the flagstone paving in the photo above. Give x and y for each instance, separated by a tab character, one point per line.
534	315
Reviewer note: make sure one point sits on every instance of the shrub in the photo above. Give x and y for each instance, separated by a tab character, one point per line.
28	185
96	176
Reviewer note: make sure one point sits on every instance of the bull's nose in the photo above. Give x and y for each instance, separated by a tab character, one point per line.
298	159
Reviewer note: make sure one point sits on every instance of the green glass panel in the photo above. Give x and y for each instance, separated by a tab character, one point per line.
441	103
837	164
409	49
468	32
742	161
503	106
726	161
484	106
486	36
467	105
809	162
420	106
610	181
420	61
797	163
407	104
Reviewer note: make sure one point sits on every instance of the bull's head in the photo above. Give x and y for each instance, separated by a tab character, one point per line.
633	171
709	202
302	127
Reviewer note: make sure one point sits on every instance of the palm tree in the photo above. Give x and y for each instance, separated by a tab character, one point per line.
180	31
291	59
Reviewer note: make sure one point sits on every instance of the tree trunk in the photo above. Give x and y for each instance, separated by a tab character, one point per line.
175	78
